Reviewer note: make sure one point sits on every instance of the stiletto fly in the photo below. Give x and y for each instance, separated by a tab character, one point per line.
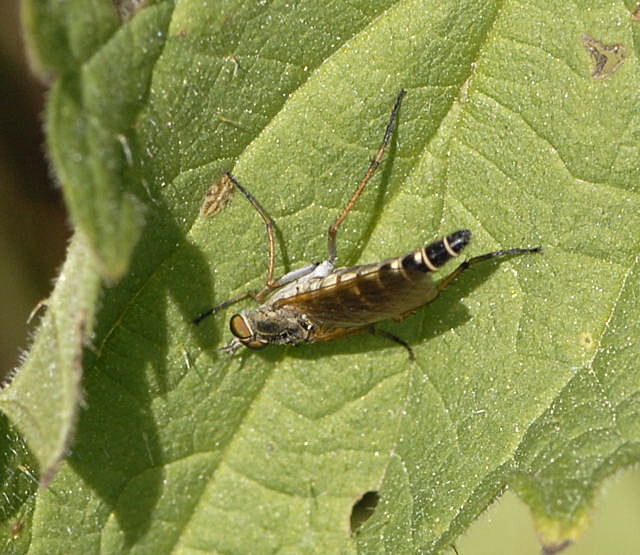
320	302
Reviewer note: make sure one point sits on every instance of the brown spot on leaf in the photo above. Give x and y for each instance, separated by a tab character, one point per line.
607	57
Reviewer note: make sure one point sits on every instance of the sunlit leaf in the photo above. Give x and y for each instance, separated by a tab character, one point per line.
526	371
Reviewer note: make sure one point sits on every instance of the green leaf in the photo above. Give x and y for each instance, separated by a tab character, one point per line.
525	372
91	117
46	392
62	35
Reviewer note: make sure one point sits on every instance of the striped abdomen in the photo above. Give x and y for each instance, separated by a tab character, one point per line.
367	294
437	254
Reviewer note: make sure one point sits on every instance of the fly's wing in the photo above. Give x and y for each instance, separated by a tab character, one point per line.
362	295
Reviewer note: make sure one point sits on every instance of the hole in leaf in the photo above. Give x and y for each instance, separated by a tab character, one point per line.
363	509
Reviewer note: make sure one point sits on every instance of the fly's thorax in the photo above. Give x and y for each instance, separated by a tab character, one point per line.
271	325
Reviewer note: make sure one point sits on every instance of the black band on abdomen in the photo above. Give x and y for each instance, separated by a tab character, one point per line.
438	253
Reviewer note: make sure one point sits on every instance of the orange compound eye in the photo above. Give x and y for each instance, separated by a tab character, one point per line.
240	328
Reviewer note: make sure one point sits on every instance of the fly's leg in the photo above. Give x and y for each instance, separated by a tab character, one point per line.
220	306
394	338
270	284
268	222
482	258
333	253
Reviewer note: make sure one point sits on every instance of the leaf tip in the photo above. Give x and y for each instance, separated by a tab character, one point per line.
556	535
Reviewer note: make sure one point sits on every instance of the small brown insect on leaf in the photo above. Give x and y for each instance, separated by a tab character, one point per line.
217	197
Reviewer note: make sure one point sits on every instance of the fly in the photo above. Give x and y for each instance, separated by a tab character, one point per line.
320	302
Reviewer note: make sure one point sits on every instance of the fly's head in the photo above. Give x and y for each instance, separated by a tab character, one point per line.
258	328
244	330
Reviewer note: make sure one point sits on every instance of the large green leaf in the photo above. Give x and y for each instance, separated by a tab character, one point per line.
525	372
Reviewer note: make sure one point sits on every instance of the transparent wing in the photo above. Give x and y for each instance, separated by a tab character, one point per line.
363	295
